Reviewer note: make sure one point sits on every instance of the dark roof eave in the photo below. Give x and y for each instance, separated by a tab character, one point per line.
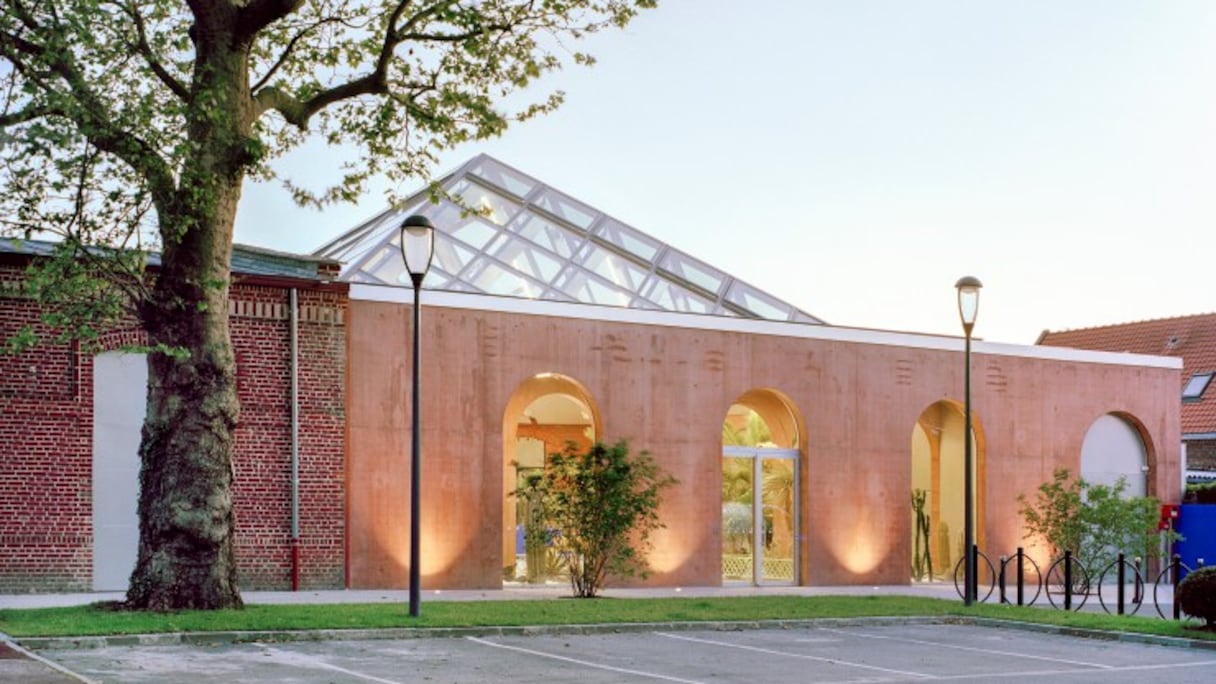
248	263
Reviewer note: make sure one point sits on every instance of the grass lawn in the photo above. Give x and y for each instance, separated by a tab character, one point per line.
99	620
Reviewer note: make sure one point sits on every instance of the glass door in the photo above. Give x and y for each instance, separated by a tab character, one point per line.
759	515
778	487
738	519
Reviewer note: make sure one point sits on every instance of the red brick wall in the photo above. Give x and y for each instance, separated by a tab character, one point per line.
261	337
1201	454
46	427
45	467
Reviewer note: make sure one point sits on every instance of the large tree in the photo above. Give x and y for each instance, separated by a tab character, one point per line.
135	124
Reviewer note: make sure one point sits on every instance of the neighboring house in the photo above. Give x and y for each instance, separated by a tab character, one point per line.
1190	338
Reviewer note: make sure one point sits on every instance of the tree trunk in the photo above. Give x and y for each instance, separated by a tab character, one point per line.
186	524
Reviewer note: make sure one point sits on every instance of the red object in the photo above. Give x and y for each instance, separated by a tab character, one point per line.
1169	511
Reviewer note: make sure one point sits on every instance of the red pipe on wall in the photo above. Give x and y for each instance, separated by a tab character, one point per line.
295	564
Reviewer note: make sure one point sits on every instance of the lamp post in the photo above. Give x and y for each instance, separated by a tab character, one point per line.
417	248
968	306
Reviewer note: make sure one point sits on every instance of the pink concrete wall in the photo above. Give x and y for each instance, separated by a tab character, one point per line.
667	390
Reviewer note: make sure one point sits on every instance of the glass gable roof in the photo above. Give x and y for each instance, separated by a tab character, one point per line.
515	236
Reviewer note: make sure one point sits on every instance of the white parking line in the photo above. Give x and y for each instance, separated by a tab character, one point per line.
1046	673
972	649
834	661
306	661
584	663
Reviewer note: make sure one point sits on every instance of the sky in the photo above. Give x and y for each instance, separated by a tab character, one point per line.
856	157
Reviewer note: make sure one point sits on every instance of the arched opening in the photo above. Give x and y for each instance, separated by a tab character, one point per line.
761	458
1114	448
938	492
545	413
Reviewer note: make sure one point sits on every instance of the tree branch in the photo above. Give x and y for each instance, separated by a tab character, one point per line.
28	114
297	112
144	49
291	45
259	14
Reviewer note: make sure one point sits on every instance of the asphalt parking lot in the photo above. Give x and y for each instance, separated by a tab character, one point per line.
844	655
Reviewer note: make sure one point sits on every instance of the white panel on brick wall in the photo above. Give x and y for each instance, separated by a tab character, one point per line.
1113	449
119	399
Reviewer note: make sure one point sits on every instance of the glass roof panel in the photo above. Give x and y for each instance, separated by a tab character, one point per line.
491	278
343	247
436	279
671	297
628	239
556	295
696	272
461	286
530	260
501	176
451	256
359	249
755	301
566	209
546	233
615	268
385	264
474	232
360	277
585	287
517	236
493	206
353	246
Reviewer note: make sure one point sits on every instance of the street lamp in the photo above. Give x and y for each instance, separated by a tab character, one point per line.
968	306
417	248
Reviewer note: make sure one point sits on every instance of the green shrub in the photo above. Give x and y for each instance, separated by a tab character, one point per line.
1094	521
1197	595
1200	493
601	505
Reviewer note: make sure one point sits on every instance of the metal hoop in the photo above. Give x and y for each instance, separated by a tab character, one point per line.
1164	571
1084	577
1102	578
1038	575
991	573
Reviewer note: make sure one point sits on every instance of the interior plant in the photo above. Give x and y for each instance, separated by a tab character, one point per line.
602	504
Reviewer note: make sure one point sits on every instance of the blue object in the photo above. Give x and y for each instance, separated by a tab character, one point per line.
1197	526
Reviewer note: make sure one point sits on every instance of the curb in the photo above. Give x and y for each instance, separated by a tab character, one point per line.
288	636
1097	634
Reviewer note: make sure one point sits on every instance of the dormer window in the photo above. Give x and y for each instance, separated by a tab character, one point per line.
1195	386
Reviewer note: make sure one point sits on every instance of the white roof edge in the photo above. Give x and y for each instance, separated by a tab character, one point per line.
536	307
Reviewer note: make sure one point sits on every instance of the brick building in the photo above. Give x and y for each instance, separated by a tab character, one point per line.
796	444
69	427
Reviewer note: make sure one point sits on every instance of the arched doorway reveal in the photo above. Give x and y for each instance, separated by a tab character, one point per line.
546	412
761	458
938	489
1113	449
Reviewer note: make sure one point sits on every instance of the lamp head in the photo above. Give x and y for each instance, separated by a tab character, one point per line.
417	246
968	300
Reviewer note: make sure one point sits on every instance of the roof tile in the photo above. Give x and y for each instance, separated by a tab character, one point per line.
1190	338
